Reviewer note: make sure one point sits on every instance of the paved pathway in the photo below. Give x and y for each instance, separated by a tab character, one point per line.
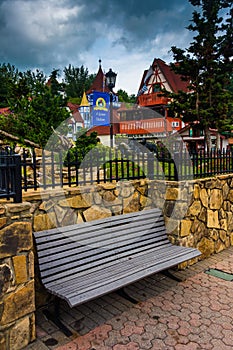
194	314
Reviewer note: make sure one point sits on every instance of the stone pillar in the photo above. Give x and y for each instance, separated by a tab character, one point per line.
17	294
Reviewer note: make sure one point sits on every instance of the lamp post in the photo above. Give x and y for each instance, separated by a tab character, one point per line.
110	82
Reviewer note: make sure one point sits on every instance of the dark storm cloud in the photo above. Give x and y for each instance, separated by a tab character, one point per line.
38	32
139	20
53	33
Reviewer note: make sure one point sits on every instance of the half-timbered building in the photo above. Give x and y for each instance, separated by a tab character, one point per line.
151	117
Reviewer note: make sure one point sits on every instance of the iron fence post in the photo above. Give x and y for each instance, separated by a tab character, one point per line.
18	180
150	165
177	162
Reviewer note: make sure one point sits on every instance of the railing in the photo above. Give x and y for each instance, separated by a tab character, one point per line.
98	166
10	176
151	99
212	163
53	169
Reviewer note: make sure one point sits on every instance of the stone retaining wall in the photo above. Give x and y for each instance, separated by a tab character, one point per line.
208	220
208	224
197	213
17	292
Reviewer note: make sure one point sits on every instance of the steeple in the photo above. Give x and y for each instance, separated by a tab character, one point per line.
99	82
84	102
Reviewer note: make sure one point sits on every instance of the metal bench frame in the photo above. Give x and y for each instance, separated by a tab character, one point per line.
84	261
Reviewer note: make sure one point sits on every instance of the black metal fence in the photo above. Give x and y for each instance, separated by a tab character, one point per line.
56	169
10	175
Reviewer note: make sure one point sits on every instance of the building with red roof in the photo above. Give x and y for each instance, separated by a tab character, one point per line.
151	118
159	77
99	83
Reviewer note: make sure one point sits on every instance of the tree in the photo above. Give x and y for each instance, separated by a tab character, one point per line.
54	85
27	84
83	145
124	97
35	109
8	78
207	67
76	81
33	119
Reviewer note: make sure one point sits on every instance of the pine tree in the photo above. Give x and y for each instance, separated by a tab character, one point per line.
8	79
207	66
76	81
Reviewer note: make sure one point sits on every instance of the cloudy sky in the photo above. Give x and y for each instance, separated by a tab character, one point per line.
125	35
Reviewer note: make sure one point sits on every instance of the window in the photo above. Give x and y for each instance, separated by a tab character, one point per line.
157	87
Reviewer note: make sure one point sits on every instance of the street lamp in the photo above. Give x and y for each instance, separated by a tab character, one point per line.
110	82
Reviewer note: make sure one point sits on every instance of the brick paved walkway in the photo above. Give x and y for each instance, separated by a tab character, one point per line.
195	314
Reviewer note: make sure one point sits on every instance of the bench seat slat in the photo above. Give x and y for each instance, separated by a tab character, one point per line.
157	252
108	269
124	272
117	276
101	258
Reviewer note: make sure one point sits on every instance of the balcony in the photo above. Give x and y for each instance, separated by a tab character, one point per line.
153	99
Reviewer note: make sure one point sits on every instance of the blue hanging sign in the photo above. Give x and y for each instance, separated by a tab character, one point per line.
100	109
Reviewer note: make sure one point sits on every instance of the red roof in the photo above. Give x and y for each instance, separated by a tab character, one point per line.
98	83
73	107
77	117
101	130
174	80
104	130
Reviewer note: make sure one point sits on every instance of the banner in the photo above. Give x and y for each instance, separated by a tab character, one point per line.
100	109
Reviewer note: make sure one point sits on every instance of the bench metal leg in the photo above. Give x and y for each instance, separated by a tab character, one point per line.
55	318
167	273
125	295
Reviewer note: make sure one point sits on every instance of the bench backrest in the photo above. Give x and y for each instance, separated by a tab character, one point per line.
64	251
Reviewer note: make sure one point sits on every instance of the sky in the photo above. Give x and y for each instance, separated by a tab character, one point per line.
125	34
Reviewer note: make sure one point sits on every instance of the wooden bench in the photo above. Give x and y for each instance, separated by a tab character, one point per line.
83	261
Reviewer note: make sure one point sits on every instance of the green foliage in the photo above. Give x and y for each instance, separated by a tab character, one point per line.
75	100
207	66
83	145
35	107
124	97
85	142
15	84
8	79
55	86
34	117
76	81
37	104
